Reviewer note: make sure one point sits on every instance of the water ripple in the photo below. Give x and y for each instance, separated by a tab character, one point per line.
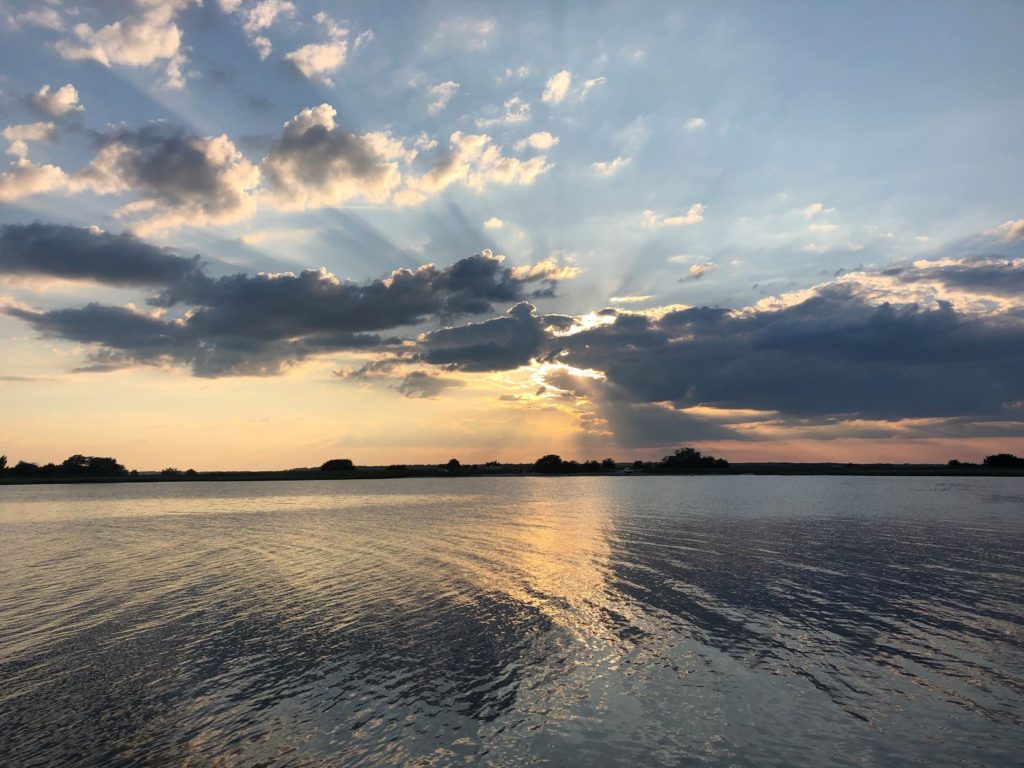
514	622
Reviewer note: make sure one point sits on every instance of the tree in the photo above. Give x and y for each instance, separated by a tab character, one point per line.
608	464
690	458
549	464
26	469
3	463
336	465
453	464
89	466
1004	461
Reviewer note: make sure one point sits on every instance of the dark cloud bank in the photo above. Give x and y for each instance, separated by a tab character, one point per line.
242	324
837	353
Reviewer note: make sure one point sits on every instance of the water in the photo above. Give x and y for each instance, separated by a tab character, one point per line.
514	621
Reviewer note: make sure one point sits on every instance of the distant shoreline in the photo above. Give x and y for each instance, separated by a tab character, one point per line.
527	470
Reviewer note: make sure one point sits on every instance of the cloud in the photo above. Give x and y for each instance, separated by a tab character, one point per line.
259	17
494	345
516	111
48	18
317	61
815	209
696	123
23	178
77	253
1008	231
148	35
57	103
980	275
462	32
243	324
263	14
694	215
474	160
541	141
602	408
557	87
440	94
862	347
20	135
494	223
589	85
316	163
697	271
423	385
610	167
179	178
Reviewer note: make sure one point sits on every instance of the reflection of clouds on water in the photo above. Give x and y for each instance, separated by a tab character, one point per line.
611	621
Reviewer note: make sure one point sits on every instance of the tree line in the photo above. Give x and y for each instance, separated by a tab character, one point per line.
685	459
77	466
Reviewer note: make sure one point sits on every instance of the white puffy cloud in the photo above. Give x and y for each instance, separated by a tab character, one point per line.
696	123
48	18
317	61
541	141
262	15
440	94
315	163
20	135
474	160
59	102
258	17
24	178
263	46
558	87
610	167
694	215
1008	231
816	209
494	223
698	271
148	35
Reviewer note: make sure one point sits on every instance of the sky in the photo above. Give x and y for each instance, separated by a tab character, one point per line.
265	233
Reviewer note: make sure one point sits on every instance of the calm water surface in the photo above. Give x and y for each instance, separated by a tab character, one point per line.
514	621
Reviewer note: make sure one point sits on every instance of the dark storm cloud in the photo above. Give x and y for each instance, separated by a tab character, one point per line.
498	344
127	337
834	354
993	275
75	253
422	384
244	324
